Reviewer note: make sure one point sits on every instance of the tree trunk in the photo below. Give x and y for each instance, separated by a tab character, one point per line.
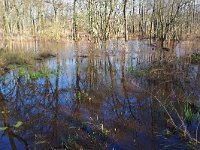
125	22
75	24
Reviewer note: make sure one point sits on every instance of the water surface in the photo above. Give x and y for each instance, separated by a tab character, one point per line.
89	98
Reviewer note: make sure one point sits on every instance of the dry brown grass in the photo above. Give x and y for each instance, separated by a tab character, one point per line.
17	58
45	55
1	62
8	59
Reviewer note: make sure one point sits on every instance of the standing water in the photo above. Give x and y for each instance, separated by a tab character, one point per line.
100	96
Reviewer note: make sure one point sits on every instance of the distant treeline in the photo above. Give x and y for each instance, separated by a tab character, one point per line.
100	19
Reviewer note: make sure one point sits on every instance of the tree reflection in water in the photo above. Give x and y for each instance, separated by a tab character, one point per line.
95	101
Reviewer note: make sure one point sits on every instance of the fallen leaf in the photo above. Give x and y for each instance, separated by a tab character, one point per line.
18	124
3	128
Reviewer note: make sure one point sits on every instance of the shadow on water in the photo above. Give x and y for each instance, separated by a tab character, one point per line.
93	96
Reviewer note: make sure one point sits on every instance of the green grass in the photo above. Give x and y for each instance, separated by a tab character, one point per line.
191	112
189	115
34	75
196	58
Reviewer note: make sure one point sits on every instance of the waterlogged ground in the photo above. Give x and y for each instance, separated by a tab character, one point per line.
101	96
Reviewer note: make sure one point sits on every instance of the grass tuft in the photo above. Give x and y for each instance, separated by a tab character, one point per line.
195	58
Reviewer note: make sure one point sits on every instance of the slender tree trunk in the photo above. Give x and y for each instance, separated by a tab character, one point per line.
75	23
125	22
133	19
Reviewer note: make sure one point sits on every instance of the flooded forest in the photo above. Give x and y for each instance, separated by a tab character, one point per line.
99	74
